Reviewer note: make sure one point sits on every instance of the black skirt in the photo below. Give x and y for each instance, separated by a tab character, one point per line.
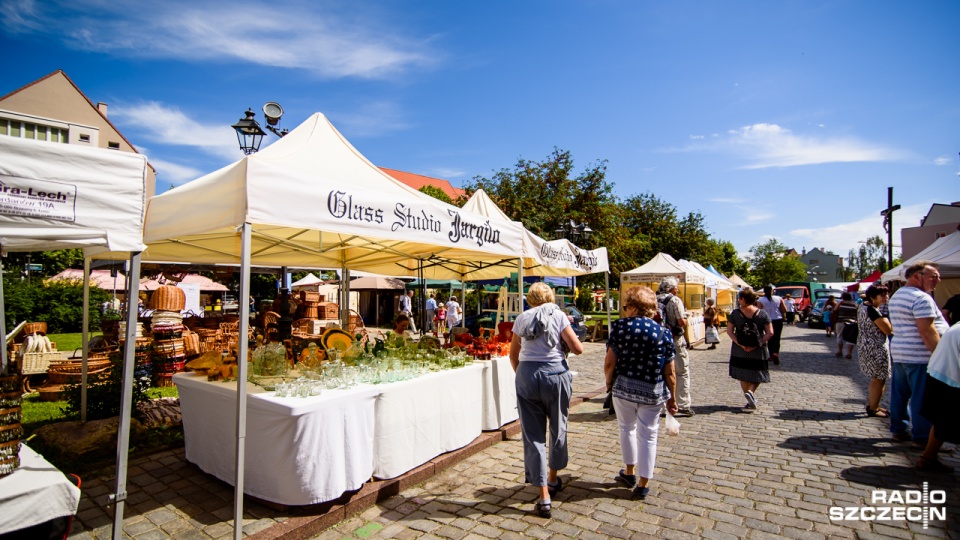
939	407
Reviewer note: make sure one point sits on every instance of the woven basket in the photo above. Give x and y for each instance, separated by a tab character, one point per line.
70	371
34	328
10	399
310	296
191	344
168	298
35	363
310	310
169	347
168	367
52	392
11	432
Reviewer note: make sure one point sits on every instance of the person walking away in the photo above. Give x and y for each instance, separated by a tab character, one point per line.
940	398
639	372
917	327
710	321
776	309
406	308
453	312
791	309
873	352
749	328
828	308
675	319
845	312
544	386
431	309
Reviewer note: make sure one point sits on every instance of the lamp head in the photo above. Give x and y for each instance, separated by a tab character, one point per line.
272	111
249	133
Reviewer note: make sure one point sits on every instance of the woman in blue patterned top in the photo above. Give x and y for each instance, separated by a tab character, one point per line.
640	373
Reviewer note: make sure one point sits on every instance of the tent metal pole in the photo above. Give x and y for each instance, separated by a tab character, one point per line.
85	339
606	283
4	360
243	330
520	283
126	395
344	295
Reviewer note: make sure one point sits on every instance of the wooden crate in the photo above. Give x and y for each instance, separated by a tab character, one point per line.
328	310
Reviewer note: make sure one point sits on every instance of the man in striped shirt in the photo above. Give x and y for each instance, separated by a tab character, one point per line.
917	327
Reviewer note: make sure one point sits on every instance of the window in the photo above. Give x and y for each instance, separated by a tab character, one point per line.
113	145
84	137
27	130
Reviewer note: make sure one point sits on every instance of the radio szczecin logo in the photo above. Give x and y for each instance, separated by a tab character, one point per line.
909	505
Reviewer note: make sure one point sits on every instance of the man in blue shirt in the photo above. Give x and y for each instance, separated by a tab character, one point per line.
431	308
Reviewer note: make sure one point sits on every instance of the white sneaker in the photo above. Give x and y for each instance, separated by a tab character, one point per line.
751	400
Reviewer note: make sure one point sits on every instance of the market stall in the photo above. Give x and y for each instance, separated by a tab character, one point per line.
945	251
691	286
59	196
354	216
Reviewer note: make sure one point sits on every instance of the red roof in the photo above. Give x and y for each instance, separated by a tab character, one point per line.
417	181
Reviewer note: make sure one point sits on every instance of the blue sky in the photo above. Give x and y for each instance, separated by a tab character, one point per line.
773	119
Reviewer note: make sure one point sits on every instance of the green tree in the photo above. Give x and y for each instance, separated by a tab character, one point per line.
437	193
870	256
53	262
770	264
545	194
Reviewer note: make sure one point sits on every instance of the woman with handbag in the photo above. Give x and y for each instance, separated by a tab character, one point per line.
777	310
873	351
640	374
749	329
712	333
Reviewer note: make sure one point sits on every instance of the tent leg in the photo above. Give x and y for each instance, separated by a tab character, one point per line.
85	339
126	396
606	283
242	344
4	361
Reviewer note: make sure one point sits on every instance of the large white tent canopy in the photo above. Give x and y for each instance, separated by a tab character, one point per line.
542	257
312	200
945	252
58	196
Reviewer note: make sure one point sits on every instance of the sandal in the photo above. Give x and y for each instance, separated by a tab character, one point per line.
838	355
543	509
878	412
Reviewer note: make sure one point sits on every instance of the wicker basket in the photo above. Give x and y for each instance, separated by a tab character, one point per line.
70	371
328	310
169	347
310	296
191	344
168	298
34	328
310	310
35	363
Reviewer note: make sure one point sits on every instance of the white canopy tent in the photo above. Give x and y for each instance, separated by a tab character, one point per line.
312	200
945	251
58	196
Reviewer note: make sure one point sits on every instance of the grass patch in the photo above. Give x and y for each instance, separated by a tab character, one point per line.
70	342
38	413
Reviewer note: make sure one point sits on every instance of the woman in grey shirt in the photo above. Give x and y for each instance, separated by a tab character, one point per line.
544	386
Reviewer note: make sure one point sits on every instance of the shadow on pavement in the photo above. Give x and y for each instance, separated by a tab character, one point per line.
842	446
898	477
809	414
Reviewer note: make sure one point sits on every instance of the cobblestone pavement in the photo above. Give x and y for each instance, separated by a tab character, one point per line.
771	474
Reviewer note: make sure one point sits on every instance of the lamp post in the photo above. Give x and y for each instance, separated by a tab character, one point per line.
249	132
575	232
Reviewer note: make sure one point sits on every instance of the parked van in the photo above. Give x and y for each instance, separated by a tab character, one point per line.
799	292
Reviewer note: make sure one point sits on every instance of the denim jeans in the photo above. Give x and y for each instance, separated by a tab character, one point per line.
543	394
906	396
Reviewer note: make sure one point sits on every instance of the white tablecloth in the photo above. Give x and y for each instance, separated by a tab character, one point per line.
499	393
299	451
35	493
419	419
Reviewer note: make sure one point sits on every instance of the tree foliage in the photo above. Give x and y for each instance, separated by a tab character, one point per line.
59	303
53	262
436	193
771	264
871	256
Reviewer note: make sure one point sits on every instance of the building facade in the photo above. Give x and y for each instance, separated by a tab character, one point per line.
941	220
822	265
53	109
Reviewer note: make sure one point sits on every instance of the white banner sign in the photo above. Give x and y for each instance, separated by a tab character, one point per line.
29	197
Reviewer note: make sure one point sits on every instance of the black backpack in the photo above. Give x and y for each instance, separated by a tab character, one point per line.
662	318
748	335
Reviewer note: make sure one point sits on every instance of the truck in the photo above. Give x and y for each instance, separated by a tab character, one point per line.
802	294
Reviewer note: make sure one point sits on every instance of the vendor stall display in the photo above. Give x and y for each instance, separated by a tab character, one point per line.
35	494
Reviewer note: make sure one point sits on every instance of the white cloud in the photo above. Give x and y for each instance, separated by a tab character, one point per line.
943	160
727	200
769	145
168	125
294	35
174	173
841	238
696	137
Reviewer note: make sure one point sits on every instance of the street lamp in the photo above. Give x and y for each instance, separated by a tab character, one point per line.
573	231
249	132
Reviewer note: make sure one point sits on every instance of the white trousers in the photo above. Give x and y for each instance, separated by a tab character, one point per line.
639	427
